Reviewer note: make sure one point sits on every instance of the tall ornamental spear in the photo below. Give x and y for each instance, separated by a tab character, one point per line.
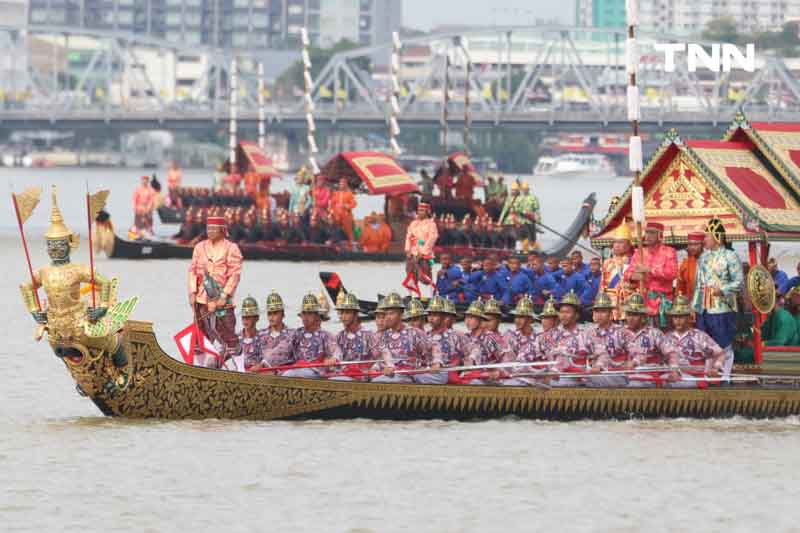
24	204
394	99
261	117
445	100
308	86
234	95
94	203
635	143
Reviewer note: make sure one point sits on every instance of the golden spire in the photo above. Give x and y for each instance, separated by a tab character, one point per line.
58	230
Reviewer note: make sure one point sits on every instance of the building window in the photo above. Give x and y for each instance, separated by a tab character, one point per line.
193	37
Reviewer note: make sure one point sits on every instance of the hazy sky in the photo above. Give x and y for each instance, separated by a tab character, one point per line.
424	14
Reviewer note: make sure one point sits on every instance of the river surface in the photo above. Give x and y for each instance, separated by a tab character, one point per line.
63	467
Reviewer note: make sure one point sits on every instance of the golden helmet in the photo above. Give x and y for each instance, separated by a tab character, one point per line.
634	305
347	302
380	308
415	309
475	309
570	299
274	302
524	308
450	307
58	230
514	186
492	308
310	304
603	301
549	309
680	307
393	301
437	304
324	306
524	186
623	232
249	307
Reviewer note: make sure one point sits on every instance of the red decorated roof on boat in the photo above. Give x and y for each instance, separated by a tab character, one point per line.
687	183
378	172
463	163
258	160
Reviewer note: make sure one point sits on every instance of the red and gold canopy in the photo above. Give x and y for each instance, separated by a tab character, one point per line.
379	172
687	183
259	162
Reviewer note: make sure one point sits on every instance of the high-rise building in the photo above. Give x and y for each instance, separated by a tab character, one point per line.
329	21
600	13
229	23
690	17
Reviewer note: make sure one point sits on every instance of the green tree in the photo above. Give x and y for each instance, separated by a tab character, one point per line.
722	30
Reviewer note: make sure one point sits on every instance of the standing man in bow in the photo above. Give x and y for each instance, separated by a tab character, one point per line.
213	278
613	282
687	272
656	271
144	198
421	237
719	280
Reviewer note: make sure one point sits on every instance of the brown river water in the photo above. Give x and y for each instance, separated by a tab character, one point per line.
64	467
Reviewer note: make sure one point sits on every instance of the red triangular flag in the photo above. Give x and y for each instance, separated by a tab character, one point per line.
186	339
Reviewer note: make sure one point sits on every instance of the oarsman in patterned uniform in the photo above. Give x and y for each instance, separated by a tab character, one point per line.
213	277
613	282
404	348
644	344
544	339
696	349
380	318
658	270
276	339
606	332
573	349
521	338
451	315
355	342
414	314
687	271
249	338
719	280
489	346
310	344
447	345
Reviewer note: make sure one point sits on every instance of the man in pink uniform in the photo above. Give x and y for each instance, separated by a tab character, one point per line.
144	199
213	277
658	270
421	237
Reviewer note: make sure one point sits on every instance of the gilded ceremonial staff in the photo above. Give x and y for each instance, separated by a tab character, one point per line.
94	203
635	142
24	204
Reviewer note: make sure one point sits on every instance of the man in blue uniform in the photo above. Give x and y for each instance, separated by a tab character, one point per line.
488	282
568	280
592	282
518	284
578	265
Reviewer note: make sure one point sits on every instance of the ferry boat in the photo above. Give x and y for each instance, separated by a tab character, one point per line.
571	165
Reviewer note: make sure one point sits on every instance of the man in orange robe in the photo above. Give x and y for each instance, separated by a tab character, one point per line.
372	241
342	204
687	271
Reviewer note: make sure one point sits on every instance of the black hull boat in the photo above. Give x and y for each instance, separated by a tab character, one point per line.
266	251
171	215
161	387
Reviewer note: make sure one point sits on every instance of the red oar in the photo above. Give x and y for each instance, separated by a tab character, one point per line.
304	364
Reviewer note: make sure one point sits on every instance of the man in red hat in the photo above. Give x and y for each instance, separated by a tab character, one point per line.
421	237
657	272
213	277
687	272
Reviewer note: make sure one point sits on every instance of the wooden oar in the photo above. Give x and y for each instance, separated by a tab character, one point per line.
315	365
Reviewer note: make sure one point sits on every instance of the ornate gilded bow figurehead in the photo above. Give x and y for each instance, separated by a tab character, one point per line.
60	239
716	229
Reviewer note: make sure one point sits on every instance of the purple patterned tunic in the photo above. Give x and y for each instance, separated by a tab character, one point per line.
310	347
360	345
610	338
275	346
695	347
648	346
522	346
407	348
251	350
574	348
489	347
448	348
